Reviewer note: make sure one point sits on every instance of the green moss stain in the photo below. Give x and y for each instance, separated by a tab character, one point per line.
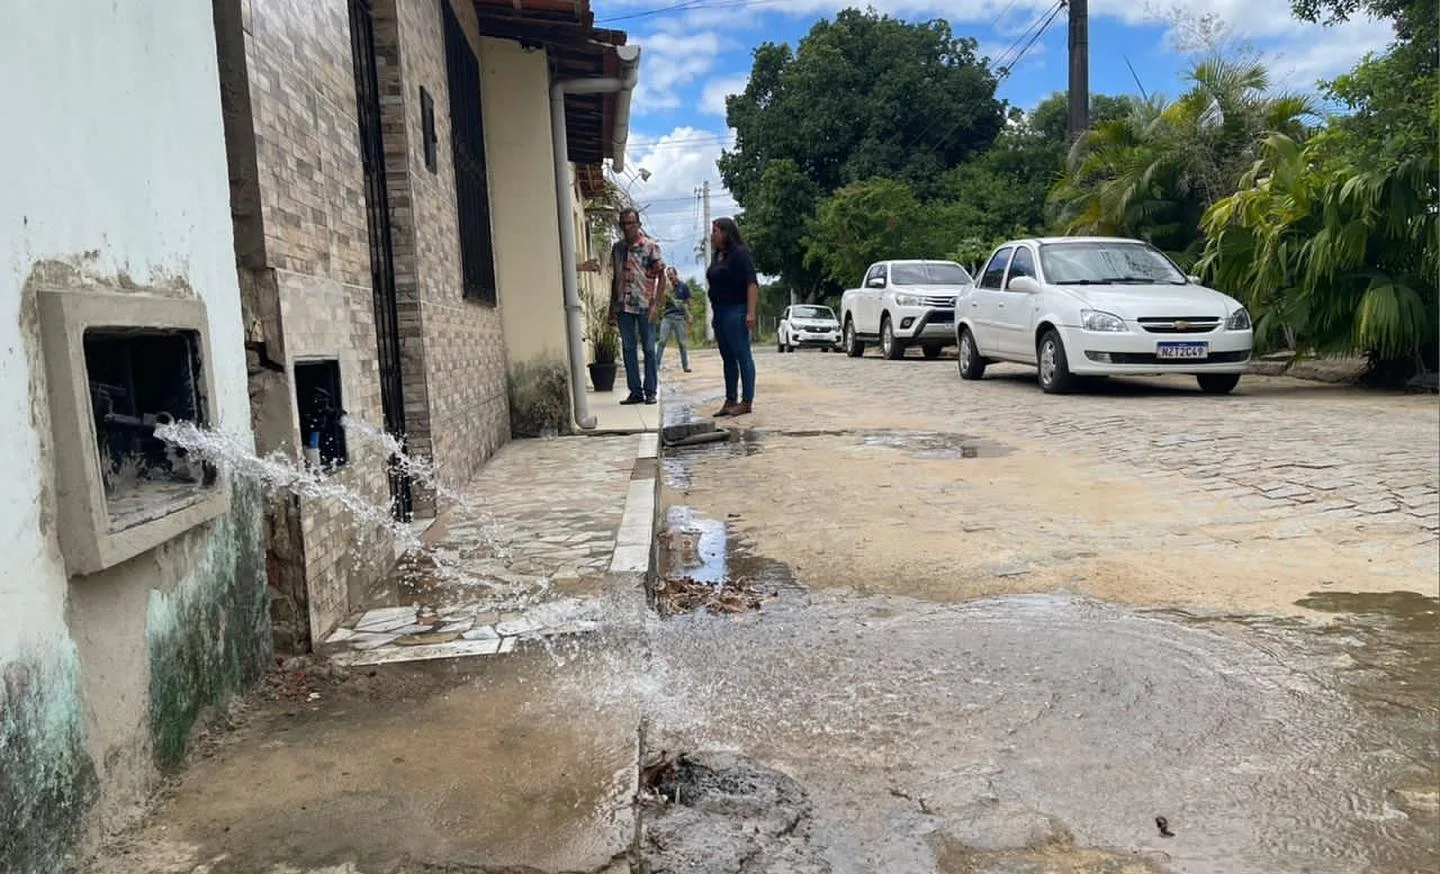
209	637
47	781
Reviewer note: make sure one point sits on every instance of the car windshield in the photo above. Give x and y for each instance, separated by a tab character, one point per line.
812	313
929	273
1105	262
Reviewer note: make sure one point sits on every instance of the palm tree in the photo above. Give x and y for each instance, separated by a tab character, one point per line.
1330	256
1153	173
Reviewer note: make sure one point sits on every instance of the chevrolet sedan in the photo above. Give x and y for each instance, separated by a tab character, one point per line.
1099	306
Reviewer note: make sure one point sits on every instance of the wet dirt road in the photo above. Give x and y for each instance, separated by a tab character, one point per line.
1007	631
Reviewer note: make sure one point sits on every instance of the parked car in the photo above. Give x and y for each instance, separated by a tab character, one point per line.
1099	306
807	325
902	304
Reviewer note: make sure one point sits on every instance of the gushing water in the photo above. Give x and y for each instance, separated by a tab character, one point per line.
368	518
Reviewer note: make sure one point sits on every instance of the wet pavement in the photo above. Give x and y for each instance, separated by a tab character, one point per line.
526	551
1269	745
1288	722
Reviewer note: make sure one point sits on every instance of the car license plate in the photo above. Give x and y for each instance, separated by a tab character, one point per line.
1182	351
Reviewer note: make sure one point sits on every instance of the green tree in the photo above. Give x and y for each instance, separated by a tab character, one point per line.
1153	173
867	222
776	223
1001	193
1393	99
861	97
1332	256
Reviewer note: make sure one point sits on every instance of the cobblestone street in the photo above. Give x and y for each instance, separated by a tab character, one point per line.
1140	490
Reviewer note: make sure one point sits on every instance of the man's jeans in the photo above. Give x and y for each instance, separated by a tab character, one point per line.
733	338
673	325
638	329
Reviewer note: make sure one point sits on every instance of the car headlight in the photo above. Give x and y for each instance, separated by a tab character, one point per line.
1095	320
1238	321
908	300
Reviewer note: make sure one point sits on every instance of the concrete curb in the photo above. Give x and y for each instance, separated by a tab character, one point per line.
635	542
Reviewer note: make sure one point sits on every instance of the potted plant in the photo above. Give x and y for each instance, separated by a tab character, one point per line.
604	340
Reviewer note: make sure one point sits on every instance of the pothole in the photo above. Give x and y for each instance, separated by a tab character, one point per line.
723	813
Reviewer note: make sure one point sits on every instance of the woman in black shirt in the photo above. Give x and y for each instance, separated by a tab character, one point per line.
734	296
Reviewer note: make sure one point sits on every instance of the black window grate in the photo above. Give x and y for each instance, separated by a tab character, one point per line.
467	139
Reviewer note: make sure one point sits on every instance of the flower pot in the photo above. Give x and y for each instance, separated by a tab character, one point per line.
602	375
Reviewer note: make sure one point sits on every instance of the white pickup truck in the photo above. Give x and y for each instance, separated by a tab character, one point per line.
902	304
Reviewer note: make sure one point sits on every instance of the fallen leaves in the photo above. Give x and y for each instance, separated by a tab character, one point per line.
688	595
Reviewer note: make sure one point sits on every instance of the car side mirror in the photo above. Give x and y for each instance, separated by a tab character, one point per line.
1023	285
876	282
1193	278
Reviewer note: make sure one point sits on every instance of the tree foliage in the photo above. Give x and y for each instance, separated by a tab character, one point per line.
1152	173
1331	256
864	96
866	222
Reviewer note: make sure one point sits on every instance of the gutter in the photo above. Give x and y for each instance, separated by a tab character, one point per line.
622	87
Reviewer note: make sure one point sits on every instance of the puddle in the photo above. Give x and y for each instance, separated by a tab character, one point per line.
703	568
1267	746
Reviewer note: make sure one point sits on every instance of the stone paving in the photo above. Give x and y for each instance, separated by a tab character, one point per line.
1283	448
526	551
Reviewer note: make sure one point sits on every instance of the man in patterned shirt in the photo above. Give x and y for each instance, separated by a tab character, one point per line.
636	292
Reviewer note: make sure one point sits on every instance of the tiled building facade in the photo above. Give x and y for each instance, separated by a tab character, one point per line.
362	247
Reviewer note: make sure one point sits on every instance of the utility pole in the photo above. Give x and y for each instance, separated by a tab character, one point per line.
709	255
1079	117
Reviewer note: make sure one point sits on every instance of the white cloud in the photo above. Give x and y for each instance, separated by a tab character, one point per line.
712	99
679	162
1310	50
668	62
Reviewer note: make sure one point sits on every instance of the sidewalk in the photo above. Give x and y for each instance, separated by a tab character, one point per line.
530	550
443	734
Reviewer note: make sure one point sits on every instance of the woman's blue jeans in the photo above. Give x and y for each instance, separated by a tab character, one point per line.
733	338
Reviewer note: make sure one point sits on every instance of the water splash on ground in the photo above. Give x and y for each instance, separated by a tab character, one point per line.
369	518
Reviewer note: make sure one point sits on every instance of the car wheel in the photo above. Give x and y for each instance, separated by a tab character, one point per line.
853	347
892	349
1218	383
932	352
780	343
1055	376
972	366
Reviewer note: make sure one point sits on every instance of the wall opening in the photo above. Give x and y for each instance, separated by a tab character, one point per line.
318	397
139	379
427	130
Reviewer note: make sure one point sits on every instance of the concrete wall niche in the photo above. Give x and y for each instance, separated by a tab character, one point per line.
117	365
319	399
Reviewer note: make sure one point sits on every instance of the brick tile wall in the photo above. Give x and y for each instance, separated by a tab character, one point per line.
461	415
299	206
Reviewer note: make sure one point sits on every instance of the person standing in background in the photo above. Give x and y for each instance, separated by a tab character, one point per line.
676	320
636	290
734	300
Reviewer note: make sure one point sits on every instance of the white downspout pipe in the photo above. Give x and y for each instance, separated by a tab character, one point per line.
621	86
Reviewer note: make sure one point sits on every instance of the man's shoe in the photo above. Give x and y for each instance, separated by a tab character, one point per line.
741	409
650	400
727	410
633	399
688	370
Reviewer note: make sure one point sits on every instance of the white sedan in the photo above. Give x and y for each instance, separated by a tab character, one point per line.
807	325
1099	306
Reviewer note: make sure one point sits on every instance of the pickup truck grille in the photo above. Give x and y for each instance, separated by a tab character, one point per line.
1180	325
946	301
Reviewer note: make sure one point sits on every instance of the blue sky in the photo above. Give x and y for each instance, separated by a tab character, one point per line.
696	51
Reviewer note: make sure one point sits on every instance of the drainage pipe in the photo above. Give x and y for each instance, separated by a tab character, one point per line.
621	86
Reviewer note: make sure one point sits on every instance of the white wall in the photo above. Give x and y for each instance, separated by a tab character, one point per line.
113	160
